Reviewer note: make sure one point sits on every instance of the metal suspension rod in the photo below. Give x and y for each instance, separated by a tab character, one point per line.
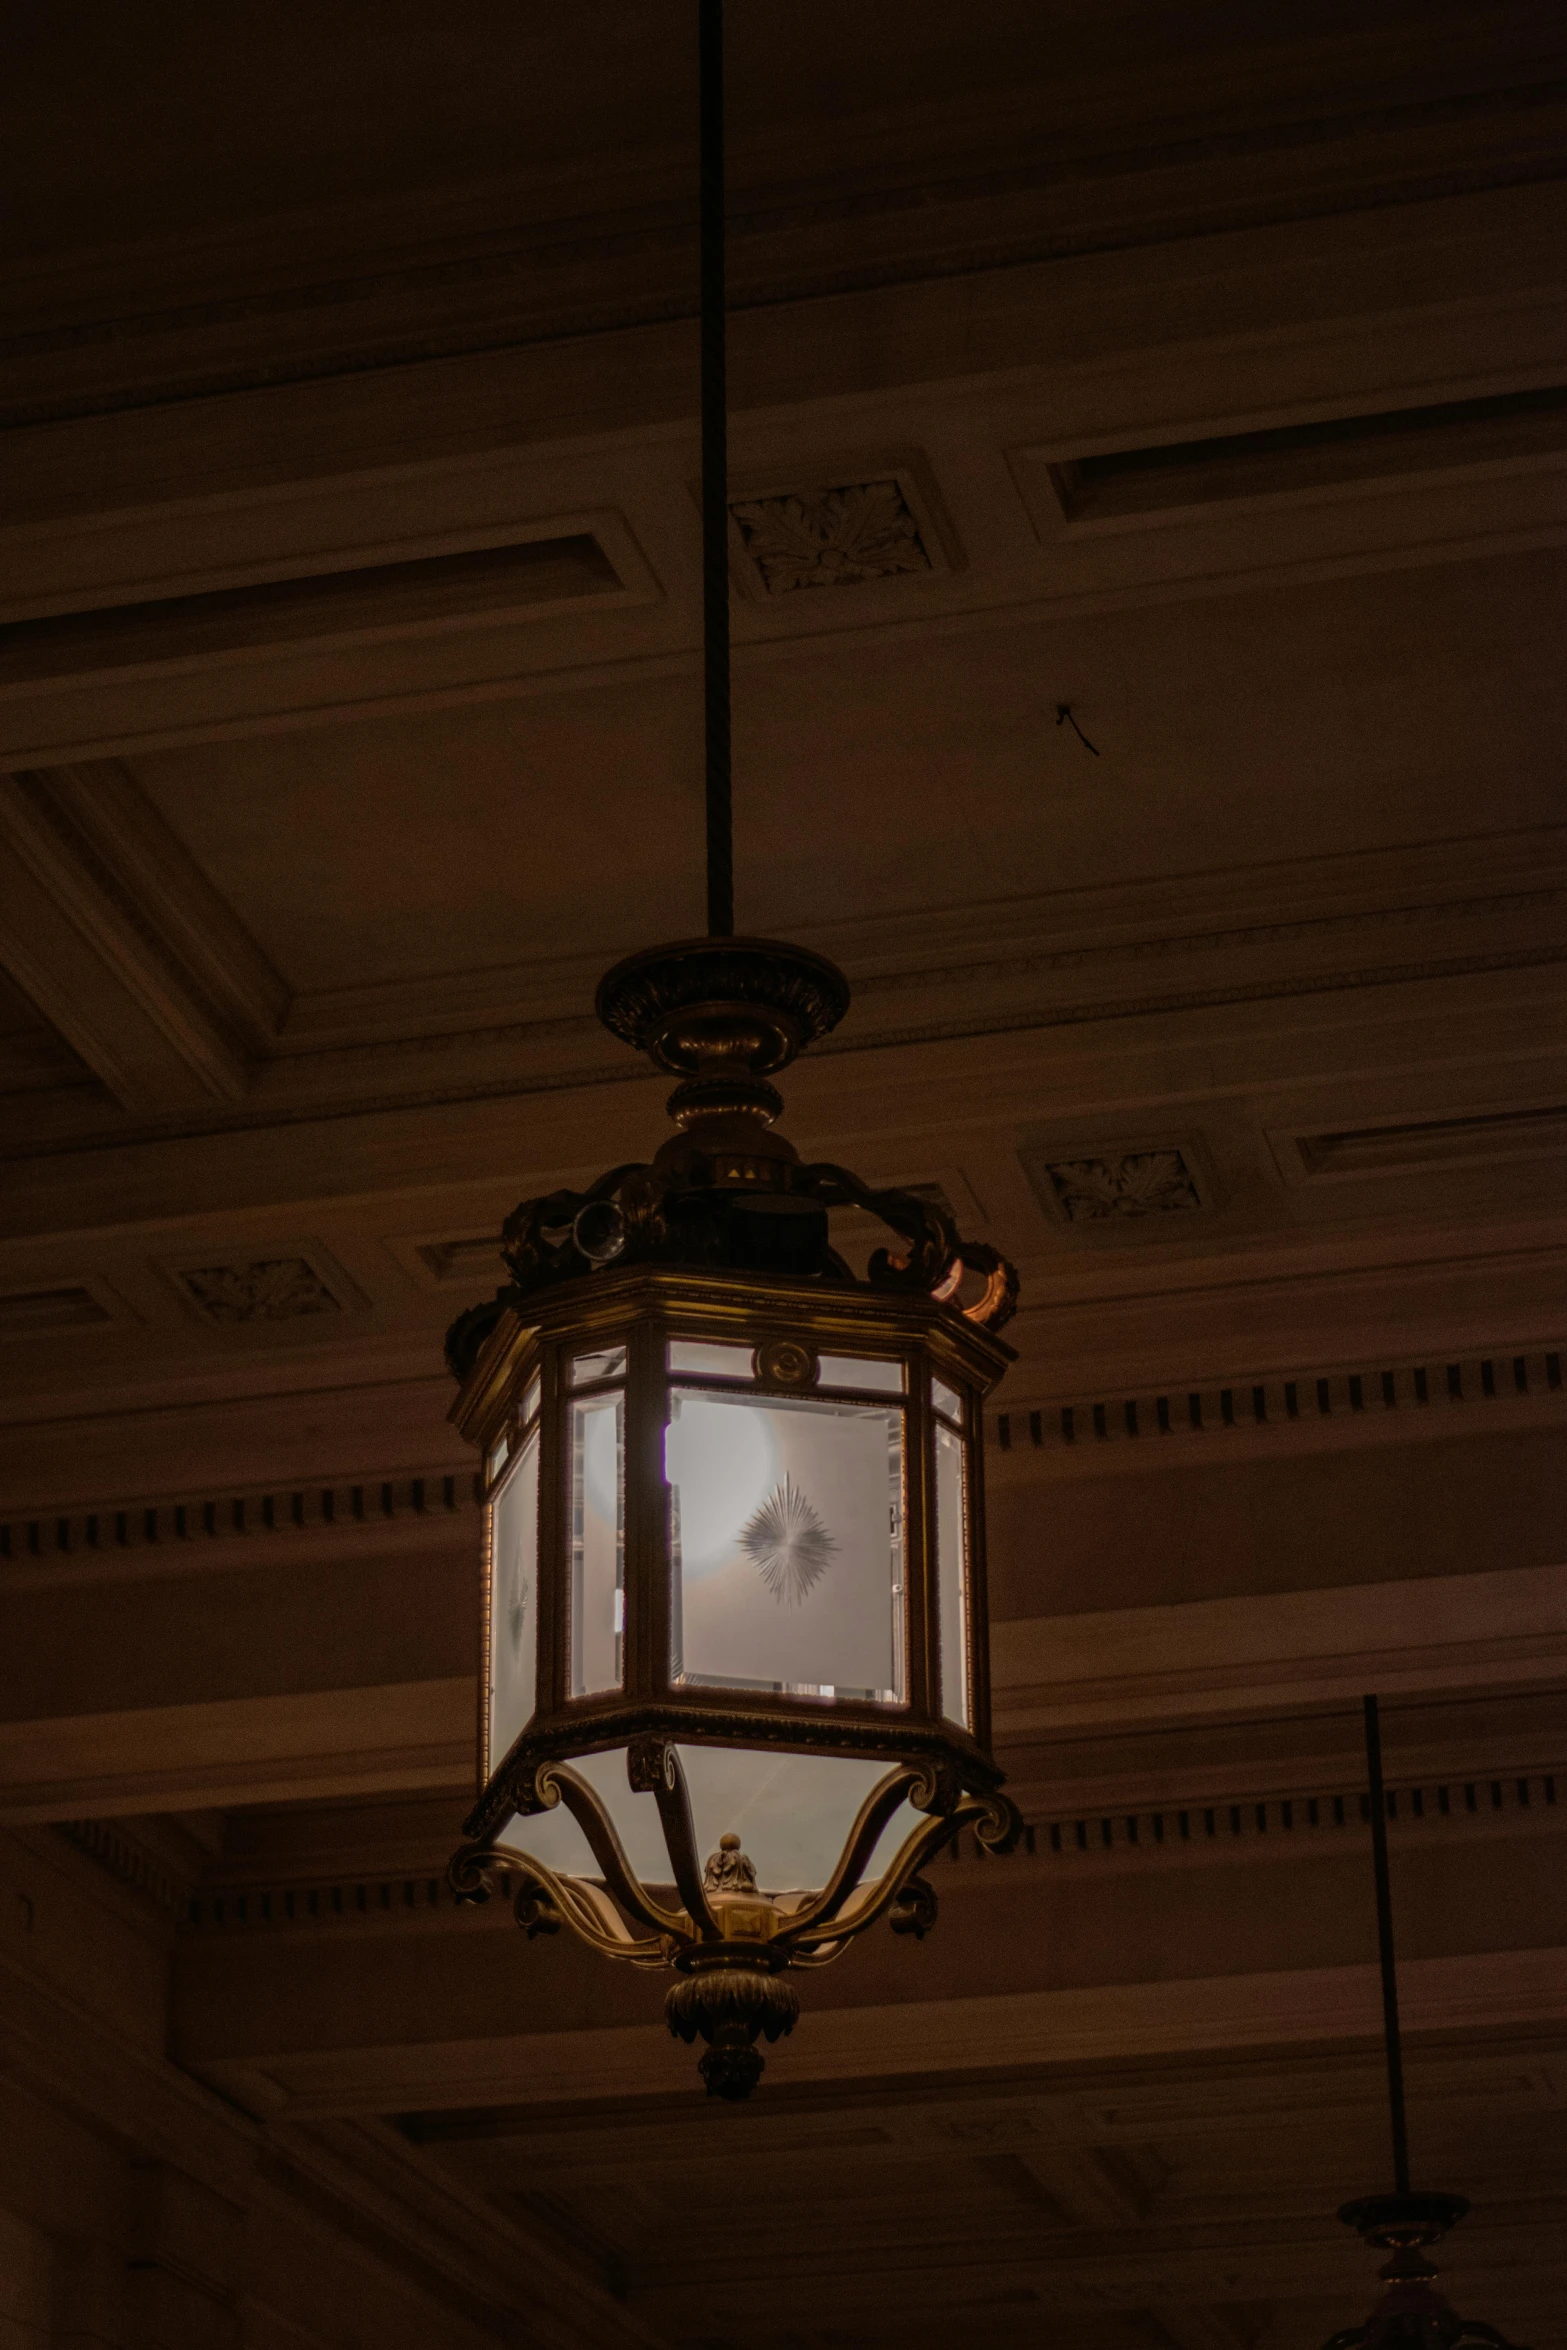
1390	2031
715	477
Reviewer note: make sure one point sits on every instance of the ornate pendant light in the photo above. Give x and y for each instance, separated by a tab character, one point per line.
1411	2314
734	1693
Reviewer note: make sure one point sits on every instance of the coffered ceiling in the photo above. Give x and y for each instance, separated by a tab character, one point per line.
1147	529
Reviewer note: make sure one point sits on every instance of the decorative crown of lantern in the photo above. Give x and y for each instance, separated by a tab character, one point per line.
734	1694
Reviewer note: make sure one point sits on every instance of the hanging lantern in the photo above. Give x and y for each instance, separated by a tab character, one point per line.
735	1690
1411	2314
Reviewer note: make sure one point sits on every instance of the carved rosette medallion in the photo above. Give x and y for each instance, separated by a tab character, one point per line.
837	537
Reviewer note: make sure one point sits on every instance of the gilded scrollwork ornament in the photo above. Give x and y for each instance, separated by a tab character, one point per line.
727	1192
730	1942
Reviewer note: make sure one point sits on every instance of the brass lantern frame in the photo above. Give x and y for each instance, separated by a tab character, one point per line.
644	1309
724	1237
729	1942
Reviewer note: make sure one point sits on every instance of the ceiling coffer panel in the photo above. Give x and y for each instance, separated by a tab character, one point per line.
410	596
1116	486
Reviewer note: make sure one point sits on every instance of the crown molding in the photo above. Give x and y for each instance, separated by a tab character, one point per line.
1252	936
1316	1409
1295	903
304	1523
109	1539
1202	1831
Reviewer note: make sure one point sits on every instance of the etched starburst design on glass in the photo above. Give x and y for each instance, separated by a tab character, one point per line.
789	1545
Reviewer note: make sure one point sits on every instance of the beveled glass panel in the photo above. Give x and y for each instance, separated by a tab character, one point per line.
711	1359
529	1408
883	1378
499	1454
946	1399
792	1813
598	1543
606	1363
952	1575
786	1545
514	1592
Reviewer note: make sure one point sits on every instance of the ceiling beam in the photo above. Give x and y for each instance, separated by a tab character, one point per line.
295	1747
106	945
1195	2326
418	2015
1092	2188
255	1655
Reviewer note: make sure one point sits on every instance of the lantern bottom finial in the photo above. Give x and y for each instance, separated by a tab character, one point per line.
731	1991
731	2005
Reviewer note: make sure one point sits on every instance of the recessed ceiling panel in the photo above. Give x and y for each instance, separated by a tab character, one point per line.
891	774
444	842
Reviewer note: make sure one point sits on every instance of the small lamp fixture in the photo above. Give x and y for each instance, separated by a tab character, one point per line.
734	1693
1411	2314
